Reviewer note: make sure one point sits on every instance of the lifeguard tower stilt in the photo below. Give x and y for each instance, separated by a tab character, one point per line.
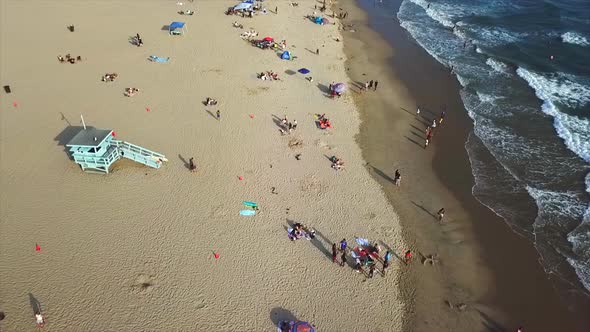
97	149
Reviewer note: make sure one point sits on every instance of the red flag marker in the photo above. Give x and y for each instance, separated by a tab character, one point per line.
216	255
241	178
37	247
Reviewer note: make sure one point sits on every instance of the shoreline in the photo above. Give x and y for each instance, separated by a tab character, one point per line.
147	249
524	296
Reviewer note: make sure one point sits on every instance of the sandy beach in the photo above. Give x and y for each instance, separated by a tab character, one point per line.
134	250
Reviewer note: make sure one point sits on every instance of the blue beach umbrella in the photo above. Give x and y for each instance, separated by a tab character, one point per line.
304	71
339	87
243	5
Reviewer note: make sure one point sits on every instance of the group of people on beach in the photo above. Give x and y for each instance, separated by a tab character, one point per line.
429	132
287	126
300	230
366	257
69	58
371	85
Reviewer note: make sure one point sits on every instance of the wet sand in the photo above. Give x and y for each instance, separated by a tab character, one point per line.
483	264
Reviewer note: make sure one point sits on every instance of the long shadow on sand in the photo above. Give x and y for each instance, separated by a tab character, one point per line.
212	115
186	164
66	136
381	174
277	315
323	88
316	241
424	209
490	324
35	304
413	141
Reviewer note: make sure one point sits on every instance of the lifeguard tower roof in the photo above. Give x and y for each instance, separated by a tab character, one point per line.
89	137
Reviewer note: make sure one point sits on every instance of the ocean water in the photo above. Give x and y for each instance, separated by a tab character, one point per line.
524	66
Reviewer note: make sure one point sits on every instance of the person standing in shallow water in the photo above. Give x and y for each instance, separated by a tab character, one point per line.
375	86
397	178
441	214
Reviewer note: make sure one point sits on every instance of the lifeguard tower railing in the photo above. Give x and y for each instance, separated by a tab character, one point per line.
138	154
117	149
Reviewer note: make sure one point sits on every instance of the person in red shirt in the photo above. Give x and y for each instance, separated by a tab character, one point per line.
408	257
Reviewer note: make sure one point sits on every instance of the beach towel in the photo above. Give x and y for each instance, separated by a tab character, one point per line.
154	58
247	212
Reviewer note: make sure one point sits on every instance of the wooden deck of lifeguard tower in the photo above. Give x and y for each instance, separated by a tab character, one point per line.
97	149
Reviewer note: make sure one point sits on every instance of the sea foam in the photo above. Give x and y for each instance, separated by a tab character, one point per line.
575	38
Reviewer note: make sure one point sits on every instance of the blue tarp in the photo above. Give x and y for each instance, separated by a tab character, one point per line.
286	55
304	71
176	25
242	6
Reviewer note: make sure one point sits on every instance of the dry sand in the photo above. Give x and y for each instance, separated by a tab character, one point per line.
482	263
133	250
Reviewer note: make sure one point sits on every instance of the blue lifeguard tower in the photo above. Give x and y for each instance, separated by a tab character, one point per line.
97	149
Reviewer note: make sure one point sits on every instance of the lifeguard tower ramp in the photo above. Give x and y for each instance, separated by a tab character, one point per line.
96	150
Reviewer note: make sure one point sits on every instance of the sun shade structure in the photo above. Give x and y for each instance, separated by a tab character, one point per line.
177	28
243	6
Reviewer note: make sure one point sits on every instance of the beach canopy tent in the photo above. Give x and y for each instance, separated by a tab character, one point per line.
339	88
304	71
243	6
286	55
177	28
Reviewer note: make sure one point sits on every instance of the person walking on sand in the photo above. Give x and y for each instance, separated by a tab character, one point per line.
317	51
372	270
375	86
408	257
428	138
397	178
370	84
442	117
357	265
334	252
191	164
276	10
418	110
218	114
441	214
366	85
343	258
343	245
386	261
433	123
